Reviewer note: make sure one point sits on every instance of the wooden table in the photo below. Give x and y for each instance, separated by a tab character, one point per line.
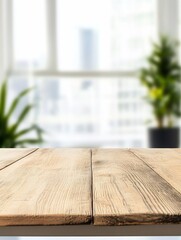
90	192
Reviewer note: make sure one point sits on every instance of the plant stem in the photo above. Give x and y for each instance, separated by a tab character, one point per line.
170	121
160	122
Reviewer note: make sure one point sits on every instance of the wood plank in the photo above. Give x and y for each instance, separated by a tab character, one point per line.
10	155
50	187
126	191
166	162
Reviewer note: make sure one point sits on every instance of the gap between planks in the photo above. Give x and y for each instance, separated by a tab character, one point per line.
141	159
18	159
129	214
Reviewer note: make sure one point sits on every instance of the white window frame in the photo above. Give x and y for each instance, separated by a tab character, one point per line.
167	22
6	51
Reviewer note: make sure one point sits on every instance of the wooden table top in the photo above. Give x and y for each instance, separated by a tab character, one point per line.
90	186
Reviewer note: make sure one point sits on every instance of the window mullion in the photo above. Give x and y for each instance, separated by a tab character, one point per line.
51	35
1	40
6	41
79	74
9	34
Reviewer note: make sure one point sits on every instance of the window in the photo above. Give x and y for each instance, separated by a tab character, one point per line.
104	34
29	34
83	55
90	35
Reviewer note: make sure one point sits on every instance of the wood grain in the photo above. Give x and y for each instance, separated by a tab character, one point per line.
10	155
49	187
127	191
166	162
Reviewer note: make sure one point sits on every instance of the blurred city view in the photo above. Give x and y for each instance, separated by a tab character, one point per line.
83	58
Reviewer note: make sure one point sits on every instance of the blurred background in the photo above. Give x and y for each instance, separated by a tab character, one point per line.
83	57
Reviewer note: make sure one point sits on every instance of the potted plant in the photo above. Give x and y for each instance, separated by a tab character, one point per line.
162	79
11	133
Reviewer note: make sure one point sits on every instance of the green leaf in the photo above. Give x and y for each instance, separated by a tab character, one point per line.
17	100
23	132
21	117
10	137
28	141
3	95
162	78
